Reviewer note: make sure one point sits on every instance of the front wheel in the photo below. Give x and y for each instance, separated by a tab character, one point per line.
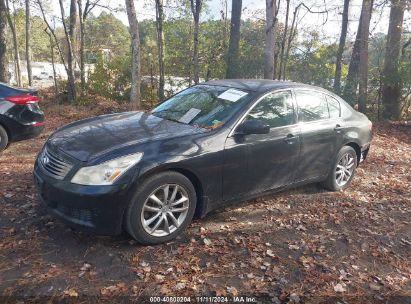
342	172
161	209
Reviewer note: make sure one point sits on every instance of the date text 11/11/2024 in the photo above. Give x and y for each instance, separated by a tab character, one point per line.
203	299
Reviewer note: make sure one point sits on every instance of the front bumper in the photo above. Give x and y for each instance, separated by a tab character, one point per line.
93	209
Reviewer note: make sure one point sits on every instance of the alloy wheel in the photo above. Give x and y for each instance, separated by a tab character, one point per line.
165	210
345	169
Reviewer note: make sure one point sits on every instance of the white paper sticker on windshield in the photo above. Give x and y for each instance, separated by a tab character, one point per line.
189	116
232	95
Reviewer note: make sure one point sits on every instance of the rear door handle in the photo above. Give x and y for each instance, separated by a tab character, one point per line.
338	128
290	138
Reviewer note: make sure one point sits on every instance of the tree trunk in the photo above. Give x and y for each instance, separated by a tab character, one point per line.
234	43
196	9
363	68
4	73
391	90
28	43
53	61
270	36
15	45
135	95
71	86
287	13
351	82
343	36
291	35
160	47
73	30
82	36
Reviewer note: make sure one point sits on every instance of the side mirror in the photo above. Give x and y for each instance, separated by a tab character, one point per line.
253	126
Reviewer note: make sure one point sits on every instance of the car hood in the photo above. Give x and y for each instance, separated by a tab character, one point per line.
93	137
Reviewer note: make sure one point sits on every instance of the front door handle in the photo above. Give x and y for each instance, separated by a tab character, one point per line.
290	138
338	128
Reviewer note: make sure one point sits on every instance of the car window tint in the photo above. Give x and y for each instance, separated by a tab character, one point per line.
333	107
276	109
311	106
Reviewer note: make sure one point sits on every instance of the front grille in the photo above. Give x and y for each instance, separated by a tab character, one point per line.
54	165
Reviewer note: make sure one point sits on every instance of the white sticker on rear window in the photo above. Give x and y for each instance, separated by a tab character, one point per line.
189	116
232	95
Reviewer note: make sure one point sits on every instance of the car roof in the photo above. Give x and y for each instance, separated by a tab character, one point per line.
259	85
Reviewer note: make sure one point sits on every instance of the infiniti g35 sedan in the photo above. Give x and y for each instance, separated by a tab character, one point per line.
214	143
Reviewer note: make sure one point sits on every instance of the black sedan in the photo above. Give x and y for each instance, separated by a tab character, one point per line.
215	143
20	115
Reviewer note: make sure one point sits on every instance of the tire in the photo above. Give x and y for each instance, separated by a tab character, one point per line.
4	139
332	181
142	209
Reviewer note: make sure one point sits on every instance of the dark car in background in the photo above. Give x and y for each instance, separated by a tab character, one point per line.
20	115
214	143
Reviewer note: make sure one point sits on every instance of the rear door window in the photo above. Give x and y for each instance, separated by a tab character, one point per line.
312	106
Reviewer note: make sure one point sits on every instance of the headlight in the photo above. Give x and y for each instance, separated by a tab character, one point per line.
106	173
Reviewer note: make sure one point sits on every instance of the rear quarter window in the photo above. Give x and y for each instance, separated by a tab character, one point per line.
333	107
346	111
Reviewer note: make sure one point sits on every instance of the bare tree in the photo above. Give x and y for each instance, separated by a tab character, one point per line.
12	25
341	45
3	47
160	47
71	87
391	89
135	95
196	9
28	43
52	32
270	37
293	31
53	60
363	68
72	33
234	44
291	36
283	42
82	15
82	32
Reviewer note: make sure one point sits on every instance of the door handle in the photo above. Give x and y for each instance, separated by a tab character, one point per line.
290	138
338	128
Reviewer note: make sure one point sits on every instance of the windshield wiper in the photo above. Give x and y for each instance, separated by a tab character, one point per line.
166	117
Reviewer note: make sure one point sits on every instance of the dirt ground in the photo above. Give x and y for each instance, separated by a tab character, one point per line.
304	245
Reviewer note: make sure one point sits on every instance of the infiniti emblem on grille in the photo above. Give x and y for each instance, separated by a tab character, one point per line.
45	160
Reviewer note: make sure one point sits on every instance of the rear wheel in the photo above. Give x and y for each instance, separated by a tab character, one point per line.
342	172
161	209
4	139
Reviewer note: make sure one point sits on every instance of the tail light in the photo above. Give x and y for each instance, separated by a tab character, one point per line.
22	99
370	124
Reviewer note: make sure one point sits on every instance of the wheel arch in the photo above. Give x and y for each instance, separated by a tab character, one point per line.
202	202
5	127
357	150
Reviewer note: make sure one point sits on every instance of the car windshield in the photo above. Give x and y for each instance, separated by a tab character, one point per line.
205	106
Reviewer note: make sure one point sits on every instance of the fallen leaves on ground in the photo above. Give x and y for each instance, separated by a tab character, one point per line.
292	246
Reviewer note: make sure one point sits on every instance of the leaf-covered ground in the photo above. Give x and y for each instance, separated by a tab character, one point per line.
303	245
